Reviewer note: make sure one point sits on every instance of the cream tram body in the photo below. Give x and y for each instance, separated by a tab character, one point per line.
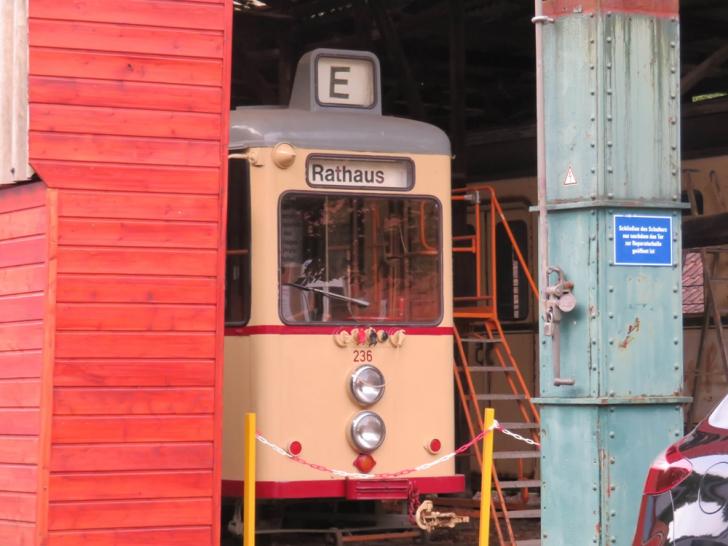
349	267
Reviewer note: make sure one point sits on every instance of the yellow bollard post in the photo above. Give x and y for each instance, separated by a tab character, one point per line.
485	483
249	482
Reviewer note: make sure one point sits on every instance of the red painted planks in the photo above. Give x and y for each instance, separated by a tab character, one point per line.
133	373
19	393
119	149
91	458
21	336
71	63
18	478
125	39
126	122
27	251
18	308
20	197
23	223
186	536
138	289
19	422
21	364
75	231
130	178
124	94
132	317
18	450
132	401
16	533
138	12
136	261
139	206
102	430
120	514
134	345
22	279
143	485
18	506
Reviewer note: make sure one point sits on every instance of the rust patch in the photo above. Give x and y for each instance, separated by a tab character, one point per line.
632	329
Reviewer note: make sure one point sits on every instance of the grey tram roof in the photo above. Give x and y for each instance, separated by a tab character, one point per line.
267	126
306	123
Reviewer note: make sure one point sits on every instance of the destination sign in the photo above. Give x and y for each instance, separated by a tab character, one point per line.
642	240
357	173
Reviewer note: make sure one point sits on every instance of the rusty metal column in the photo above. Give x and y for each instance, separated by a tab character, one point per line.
611	365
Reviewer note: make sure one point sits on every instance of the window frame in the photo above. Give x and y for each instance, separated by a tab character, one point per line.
246	219
353	195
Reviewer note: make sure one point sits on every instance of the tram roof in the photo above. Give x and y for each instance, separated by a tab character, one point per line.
252	127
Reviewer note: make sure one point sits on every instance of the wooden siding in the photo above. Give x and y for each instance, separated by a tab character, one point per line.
23	290
128	122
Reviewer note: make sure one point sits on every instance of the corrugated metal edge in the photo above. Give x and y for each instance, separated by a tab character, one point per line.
14	92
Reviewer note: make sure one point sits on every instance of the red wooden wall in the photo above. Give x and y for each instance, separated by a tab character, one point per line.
128	117
24	272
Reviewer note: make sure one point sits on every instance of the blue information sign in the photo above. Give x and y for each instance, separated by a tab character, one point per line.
642	240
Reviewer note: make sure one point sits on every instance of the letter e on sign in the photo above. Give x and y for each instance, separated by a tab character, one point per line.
342	81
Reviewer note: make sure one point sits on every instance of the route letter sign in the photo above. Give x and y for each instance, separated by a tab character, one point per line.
642	240
342	81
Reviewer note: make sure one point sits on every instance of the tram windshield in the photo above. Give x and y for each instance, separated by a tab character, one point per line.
360	259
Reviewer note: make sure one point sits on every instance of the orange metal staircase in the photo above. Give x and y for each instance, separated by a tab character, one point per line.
478	327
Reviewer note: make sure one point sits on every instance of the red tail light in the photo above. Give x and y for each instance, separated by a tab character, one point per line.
668	470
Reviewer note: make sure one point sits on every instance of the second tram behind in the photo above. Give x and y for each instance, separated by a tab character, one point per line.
338	295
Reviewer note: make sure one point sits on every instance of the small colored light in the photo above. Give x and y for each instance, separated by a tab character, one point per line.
295	447
364	463
361	336
435	446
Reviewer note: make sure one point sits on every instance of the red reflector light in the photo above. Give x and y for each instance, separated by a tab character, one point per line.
364	463
435	446
295	447
668	470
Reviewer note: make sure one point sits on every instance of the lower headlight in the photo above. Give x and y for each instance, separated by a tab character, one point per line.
367	431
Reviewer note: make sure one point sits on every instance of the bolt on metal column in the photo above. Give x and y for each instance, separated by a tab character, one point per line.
611	326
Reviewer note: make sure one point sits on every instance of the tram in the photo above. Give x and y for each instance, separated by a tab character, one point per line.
338	292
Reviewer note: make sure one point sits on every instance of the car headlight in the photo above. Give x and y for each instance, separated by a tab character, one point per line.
367	385
367	431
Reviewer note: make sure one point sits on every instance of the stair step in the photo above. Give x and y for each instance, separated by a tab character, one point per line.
519	484
500	397
523	514
516	455
520	426
488	369
481	340
529	542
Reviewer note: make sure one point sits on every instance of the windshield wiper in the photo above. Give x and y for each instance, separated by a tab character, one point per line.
328	294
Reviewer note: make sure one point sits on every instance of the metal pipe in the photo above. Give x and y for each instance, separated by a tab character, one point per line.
543	232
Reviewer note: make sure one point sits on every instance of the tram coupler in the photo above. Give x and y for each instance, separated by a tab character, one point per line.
429	520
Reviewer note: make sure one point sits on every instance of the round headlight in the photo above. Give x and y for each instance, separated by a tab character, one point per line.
367	385
367	431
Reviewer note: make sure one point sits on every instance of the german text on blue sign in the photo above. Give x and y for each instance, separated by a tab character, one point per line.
642	240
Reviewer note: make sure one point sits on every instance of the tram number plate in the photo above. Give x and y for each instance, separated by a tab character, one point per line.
361	356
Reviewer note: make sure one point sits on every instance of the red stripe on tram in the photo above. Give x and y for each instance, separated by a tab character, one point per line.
273	329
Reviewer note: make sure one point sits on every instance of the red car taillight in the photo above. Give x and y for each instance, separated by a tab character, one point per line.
668	470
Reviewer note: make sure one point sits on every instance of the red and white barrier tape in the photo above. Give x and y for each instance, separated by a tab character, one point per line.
389	475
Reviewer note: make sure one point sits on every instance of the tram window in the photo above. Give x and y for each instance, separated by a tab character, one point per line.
512	287
351	259
237	265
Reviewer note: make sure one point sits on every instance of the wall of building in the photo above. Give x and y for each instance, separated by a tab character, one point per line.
24	354
128	122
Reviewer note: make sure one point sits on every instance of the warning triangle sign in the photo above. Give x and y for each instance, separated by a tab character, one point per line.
570	179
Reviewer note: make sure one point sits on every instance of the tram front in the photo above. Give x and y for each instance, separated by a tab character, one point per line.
338	292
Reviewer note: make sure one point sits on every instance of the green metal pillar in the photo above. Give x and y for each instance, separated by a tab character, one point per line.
612	164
